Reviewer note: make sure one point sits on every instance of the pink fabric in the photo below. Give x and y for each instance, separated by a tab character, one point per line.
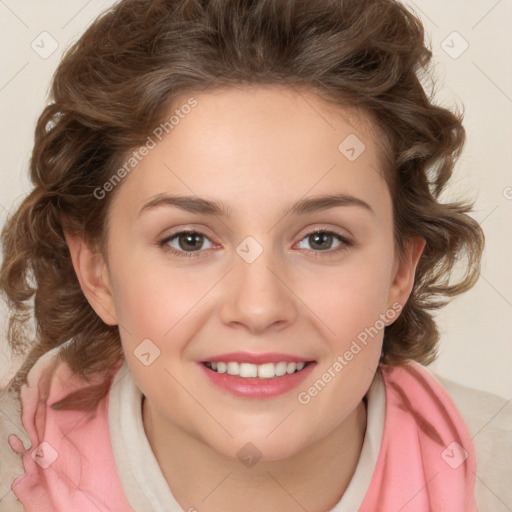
426	462
70	465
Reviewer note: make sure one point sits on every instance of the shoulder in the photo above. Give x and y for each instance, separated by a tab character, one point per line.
484	413
11	423
488	418
11	465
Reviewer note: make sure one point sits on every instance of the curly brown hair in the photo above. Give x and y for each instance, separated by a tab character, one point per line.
128	68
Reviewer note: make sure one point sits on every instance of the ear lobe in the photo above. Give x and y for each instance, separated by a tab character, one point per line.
403	280
92	273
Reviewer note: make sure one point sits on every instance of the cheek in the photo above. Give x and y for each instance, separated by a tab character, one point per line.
155	300
351	304
350	297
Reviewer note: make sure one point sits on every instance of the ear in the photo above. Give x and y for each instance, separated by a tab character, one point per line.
92	273
403	278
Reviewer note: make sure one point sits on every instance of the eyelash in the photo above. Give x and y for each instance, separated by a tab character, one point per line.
345	243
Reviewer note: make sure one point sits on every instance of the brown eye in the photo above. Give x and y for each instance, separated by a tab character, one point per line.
185	242
190	241
322	241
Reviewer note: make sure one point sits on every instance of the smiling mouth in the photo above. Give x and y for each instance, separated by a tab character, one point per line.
261	371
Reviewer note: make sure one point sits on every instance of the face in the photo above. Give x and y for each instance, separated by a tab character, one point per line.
259	279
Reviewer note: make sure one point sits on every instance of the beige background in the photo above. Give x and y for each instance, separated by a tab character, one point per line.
476	345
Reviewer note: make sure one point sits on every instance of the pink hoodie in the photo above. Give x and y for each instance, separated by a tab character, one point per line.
426	461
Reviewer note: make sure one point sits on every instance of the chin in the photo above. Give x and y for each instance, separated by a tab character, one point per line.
257	447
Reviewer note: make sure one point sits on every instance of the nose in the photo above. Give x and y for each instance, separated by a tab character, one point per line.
259	296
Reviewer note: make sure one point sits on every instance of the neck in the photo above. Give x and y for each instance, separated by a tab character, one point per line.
313	479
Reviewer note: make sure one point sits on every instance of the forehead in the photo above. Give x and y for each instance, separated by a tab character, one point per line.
267	145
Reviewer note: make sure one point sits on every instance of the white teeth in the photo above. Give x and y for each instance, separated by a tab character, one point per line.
262	371
291	368
266	371
281	369
233	369
248	370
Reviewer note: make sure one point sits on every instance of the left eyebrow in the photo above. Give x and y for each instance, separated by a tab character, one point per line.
319	203
196	204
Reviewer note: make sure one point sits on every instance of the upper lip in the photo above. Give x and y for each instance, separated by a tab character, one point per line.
247	357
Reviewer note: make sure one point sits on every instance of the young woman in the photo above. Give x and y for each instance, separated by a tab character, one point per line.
234	245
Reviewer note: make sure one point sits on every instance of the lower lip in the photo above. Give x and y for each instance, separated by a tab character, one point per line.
254	387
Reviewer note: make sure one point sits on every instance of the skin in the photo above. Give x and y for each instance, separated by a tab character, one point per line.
258	150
